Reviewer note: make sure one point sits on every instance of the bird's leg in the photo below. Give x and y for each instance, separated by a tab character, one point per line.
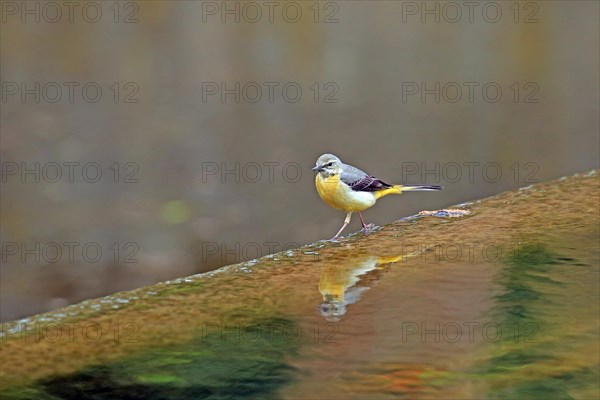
346	222
362	221
365	228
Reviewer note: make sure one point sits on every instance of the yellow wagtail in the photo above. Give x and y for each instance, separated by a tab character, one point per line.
349	189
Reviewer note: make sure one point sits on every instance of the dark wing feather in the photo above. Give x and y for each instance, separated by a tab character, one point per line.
369	184
360	181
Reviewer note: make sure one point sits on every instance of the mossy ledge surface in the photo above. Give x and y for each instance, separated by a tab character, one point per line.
174	312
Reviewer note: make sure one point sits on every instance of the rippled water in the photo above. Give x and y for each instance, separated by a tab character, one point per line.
491	305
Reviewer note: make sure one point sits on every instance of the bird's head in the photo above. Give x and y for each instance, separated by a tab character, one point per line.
332	311
328	165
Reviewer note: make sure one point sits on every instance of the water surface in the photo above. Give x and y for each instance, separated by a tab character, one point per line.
501	303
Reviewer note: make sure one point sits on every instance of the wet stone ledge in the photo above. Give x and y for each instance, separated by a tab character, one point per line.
271	326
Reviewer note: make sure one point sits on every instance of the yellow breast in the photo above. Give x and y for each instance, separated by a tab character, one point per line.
339	195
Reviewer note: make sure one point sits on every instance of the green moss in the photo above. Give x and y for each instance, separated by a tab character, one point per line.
522	309
224	364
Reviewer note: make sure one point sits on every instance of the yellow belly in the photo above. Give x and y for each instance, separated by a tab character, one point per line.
339	195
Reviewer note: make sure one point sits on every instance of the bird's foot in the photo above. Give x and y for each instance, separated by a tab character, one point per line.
369	228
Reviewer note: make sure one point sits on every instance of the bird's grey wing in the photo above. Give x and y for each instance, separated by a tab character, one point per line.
360	181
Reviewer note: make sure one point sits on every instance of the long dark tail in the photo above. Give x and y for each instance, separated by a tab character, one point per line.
421	187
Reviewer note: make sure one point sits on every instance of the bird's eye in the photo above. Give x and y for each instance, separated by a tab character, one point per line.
329	164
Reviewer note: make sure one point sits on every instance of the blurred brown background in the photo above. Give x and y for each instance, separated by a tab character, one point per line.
179	218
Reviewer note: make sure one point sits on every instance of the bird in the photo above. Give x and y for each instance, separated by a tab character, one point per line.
350	189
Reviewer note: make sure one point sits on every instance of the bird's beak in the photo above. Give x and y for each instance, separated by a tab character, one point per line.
317	168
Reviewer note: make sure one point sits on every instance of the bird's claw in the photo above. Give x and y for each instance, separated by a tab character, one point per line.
370	228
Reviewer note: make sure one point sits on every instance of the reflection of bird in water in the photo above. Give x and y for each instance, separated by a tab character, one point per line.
338	283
